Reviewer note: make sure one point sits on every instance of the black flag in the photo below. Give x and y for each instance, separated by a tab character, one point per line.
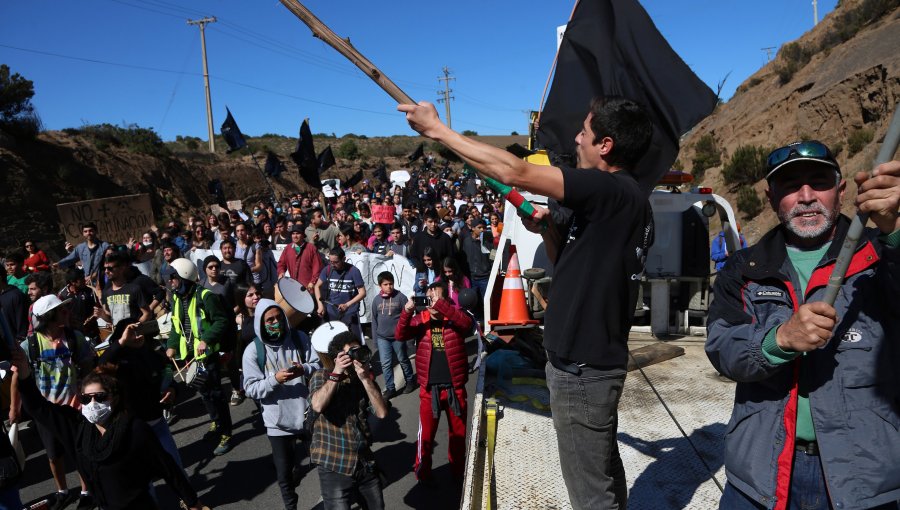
353	180
231	133
274	167
380	173
215	189
305	157
518	151
612	48
325	160
418	153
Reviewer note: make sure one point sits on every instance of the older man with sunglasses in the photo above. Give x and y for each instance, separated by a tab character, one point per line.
816	413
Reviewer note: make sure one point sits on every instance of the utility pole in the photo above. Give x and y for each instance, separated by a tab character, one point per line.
446	93
815	12
209	119
769	50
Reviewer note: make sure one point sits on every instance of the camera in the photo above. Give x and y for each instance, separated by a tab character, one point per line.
360	353
295	369
421	302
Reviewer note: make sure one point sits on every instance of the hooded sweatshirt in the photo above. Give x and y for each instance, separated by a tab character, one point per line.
283	405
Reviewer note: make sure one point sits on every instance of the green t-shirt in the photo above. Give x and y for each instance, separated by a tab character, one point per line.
19	283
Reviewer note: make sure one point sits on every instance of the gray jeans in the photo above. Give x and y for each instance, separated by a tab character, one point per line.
585	416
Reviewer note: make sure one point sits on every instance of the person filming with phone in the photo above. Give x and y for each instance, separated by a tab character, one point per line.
276	365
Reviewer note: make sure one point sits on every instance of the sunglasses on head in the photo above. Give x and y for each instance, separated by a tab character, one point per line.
100	396
809	149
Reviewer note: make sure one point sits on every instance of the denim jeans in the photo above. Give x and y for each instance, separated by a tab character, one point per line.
808	491
337	489
215	399
284	456
161	429
480	285
386	350
585	412
9	498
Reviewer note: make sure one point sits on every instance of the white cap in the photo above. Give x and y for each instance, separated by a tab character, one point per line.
47	304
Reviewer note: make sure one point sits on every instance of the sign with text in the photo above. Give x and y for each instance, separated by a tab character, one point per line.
383	213
117	218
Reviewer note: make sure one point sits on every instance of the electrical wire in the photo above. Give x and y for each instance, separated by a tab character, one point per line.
187	58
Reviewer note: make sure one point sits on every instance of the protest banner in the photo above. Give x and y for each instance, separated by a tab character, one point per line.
234	205
117	218
383	213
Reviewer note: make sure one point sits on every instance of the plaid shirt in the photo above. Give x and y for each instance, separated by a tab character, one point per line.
340	434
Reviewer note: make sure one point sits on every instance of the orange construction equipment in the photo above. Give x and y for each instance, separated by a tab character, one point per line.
513	310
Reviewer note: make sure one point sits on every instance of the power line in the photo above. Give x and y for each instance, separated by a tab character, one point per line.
219	78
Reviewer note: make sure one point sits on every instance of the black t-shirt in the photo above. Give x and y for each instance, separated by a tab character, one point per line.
439	371
125	303
597	275
236	271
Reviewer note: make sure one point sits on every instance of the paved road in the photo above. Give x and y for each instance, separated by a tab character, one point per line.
245	477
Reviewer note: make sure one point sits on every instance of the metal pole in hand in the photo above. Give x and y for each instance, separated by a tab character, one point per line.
888	148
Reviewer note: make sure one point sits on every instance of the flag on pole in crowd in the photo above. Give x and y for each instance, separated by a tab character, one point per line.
353	180
519	151
418	153
274	166
612	48
326	160
380	173
305	157
215	189
231	133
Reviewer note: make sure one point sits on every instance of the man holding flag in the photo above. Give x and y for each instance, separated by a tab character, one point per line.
586	329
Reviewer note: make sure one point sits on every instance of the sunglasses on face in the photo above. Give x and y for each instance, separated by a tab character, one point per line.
810	149
110	268
100	397
212	267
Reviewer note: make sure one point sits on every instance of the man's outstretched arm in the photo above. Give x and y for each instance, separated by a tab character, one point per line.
490	161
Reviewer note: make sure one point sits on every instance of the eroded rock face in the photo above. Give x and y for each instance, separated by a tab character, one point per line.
852	86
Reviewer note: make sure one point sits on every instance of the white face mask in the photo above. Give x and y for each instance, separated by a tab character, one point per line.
96	412
147	243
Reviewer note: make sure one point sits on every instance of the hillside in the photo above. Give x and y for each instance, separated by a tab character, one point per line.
73	165
844	96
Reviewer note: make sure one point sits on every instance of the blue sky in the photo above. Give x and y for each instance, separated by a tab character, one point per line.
269	70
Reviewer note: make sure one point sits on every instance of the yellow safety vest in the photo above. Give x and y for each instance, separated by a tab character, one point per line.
196	326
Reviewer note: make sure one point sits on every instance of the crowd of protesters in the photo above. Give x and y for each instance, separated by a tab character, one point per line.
70	324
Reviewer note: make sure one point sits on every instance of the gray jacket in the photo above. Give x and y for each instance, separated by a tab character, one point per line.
854	388
283	405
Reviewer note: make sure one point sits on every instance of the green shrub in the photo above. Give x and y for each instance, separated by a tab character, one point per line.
678	166
858	139
706	155
514	133
792	57
348	150
192	144
469	132
748	202
132	137
746	166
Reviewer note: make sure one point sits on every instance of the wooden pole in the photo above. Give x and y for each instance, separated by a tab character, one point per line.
346	49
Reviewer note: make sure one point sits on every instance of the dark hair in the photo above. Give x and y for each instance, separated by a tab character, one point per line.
310	213
122	258
15	256
240	294
431	214
441	285
337	343
74	274
89	224
397	226
629	126
452	263
105	376
338	252
385	276
43	279
227	240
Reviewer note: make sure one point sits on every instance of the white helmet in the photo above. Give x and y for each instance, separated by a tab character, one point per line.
185	269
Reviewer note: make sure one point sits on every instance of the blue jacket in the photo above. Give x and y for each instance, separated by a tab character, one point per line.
90	260
719	250
853	381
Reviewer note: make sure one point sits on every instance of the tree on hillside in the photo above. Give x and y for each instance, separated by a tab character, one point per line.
17	114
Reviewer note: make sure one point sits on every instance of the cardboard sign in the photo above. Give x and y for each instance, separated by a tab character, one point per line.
117	218
234	205
383	213
216	209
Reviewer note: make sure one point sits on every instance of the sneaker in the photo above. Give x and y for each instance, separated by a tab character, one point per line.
61	500
224	445
86	502
389	393
211	432
236	398
410	387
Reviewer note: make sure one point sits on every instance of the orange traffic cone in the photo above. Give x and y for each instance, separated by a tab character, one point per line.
513	310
